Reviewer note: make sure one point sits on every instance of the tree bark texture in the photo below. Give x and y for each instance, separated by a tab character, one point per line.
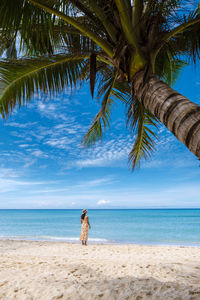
176	112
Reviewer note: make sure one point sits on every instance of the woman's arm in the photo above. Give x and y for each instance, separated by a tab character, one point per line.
88	222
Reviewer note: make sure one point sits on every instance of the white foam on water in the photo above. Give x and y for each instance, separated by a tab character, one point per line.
52	238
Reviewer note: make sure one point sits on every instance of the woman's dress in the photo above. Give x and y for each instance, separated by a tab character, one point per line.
84	230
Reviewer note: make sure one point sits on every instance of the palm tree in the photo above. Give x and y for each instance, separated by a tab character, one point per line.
134	50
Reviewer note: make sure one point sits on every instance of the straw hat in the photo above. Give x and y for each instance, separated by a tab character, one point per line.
84	211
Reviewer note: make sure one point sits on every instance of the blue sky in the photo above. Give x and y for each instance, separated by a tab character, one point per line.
44	165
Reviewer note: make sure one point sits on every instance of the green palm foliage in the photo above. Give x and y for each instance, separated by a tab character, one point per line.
141	122
62	43
21	78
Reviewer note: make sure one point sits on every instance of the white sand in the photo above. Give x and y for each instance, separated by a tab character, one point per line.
47	270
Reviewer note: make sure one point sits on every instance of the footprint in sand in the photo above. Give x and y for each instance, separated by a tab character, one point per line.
3	283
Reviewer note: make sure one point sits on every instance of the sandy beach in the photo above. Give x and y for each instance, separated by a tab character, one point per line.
50	270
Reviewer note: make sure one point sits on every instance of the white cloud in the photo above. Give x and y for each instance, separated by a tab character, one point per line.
86	113
32	194
39	153
106	153
20	125
12	180
8	173
10	185
49	191
85	163
30	163
41	106
103	202
24	145
51	111
61	143
96	182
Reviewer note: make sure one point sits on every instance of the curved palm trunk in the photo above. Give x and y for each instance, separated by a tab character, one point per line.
176	112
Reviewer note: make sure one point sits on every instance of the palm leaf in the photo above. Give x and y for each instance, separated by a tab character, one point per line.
21	78
94	35
93	71
5	42
187	43
36	32
140	121
185	38
168	67
105	73
21	19
102	118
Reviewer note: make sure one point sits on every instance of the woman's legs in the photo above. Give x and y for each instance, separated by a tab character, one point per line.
84	242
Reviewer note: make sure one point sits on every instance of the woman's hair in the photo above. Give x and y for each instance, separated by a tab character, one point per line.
83	216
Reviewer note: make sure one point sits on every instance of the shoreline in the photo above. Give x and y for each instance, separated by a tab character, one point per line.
59	270
77	242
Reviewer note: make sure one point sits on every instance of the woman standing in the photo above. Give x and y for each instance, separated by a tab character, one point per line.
85	225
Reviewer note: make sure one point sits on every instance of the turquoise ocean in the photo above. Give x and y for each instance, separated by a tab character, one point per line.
137	226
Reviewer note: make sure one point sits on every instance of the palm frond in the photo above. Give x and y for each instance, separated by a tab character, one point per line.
21	16
36	32
93	71
121	88
20	79
102	118
76	22
122	92
140	121
6	43
105	76
74	42
185	38
187	43
168	67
